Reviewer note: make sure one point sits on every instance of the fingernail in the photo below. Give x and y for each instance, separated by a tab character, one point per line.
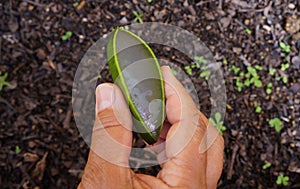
104	96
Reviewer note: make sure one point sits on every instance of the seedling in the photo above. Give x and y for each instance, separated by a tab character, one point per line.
281	179
276	123
188	70
247	31
257	108
284	66
66	36
285	47
205	74
3	81
138	17
272	71
149	1
239	84
225	62
17	149
234	69
266	165
218	123
200	59
284	79
269	88
75	4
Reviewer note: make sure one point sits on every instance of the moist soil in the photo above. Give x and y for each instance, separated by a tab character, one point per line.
39	141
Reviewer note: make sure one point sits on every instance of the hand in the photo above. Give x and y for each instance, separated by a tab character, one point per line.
187	168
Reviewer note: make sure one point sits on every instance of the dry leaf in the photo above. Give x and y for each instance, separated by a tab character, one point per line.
39	169
29	157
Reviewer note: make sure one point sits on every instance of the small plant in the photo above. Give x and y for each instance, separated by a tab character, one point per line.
284	66
17	150
188	70
218	123
138	17
234	69
269	88
281	179
266	166
225	62
239	84
284	79
75	4
248	31
149	1
284	47
205	74
3	81
272	71
200	59
276	123
66	36
257	108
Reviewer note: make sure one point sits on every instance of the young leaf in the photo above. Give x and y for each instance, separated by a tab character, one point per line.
136	70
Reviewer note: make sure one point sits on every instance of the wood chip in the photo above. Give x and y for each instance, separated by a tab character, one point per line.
39	169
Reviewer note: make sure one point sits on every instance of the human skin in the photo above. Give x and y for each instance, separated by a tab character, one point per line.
184	169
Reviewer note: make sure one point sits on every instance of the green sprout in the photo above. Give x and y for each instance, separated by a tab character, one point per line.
239	84
248	31
276	123
66	36
75	4
284	79
225	62
281	179
200	59
269	88
218	123
188	70
284	66
234	69
257	108
17	149
138	17
205	74
3	81
272	71
149	1
284	47
266	165
258	67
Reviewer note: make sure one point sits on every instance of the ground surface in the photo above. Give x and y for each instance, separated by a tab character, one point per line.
40	145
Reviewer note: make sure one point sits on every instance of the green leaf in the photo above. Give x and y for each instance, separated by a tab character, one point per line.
75	4
140	81
258	83
17	150
66	36
247	82
266	165
257	109
272	71
252	71
218	117
284	79
205	74
258	67
212	121
268	91
188	70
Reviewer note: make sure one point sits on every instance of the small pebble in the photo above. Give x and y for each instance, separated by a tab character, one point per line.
208	27
247	22
291	6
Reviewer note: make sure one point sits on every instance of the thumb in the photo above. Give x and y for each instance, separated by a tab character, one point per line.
112	137
111	141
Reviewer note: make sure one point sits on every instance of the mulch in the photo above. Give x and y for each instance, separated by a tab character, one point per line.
40	144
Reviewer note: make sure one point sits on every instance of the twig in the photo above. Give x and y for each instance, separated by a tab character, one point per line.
234	152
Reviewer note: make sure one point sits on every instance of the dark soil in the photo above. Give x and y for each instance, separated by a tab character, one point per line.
39	141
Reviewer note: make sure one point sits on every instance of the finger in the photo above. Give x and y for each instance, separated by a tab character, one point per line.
215	151
111	139
112	136
186	166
